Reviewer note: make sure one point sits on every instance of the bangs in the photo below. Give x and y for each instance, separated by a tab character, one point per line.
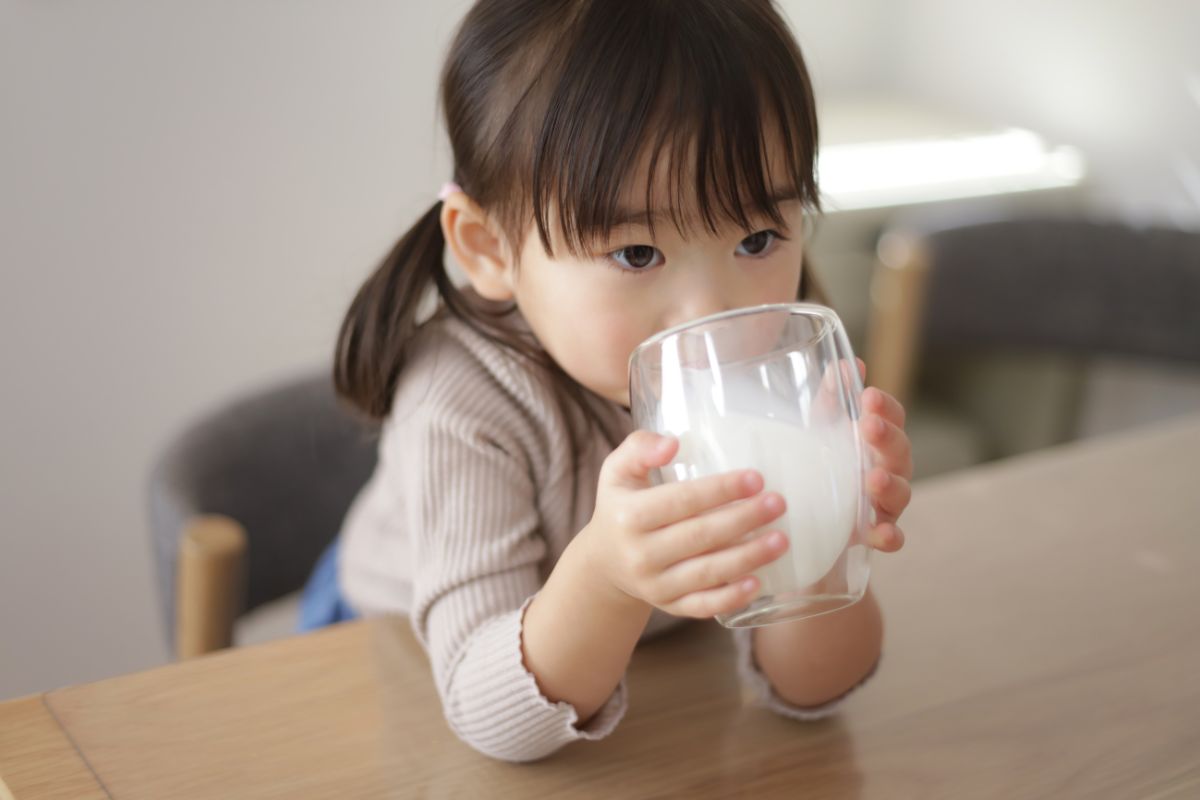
713	97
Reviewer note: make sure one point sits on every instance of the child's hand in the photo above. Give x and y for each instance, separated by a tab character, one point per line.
678	546
888	481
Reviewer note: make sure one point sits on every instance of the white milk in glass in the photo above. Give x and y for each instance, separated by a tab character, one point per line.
814	468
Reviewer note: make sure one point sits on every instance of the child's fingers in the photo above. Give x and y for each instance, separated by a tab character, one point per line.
669	503
720	600
890	442
642	451
886	537
714	530
890	494
877	401
713	570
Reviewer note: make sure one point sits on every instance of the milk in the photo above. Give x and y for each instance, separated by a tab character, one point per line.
816	470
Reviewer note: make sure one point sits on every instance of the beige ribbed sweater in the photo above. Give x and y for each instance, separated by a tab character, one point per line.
472	503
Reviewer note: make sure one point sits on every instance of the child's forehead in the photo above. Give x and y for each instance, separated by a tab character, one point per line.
666	223
658	169
661	185
687	217
694	181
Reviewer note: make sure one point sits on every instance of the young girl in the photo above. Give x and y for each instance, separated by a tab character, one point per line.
621	166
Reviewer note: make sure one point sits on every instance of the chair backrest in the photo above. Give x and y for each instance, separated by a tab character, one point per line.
285	462
1068	285
1048	284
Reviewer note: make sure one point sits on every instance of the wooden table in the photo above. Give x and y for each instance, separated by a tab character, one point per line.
1043	641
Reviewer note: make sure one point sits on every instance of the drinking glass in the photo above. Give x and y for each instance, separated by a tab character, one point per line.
775	389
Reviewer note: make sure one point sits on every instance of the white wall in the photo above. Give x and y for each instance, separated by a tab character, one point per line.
191	192
845	43
1118	78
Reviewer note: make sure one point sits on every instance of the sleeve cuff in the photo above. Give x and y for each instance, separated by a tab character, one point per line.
764	695
494	703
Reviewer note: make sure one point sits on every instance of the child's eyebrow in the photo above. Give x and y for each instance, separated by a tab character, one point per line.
640	217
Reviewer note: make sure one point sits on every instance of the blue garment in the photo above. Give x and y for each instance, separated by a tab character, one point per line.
322	602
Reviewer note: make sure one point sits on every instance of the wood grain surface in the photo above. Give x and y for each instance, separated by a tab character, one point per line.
37	759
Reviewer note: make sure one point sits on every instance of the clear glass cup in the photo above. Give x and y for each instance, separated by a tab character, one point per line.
776	389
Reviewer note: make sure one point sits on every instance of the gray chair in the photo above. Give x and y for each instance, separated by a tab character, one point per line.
986	328
243	502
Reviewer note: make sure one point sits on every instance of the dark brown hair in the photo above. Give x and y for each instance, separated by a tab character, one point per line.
549	105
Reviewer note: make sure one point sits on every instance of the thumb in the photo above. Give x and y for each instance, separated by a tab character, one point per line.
835	388
642	451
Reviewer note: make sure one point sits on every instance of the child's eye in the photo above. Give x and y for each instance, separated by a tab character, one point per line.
757	244
637	257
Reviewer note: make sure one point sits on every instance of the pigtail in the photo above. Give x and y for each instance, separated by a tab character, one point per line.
372	345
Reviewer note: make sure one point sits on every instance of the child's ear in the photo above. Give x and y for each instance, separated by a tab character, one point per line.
476	246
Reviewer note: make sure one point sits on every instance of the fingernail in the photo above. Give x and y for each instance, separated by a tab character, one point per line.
752	481
776	541
748	585
773	503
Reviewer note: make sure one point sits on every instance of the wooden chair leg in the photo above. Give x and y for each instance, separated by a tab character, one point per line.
209	585
897	305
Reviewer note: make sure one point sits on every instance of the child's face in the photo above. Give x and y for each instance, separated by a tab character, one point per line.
590	313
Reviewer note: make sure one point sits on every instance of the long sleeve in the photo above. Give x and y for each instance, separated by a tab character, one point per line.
468	489
765	696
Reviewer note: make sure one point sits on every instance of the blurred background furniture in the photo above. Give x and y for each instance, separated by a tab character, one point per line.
884	159
986	329
243	502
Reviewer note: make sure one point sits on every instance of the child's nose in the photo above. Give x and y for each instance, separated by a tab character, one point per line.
705	295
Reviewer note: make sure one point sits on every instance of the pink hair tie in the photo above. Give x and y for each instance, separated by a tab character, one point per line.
448	189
